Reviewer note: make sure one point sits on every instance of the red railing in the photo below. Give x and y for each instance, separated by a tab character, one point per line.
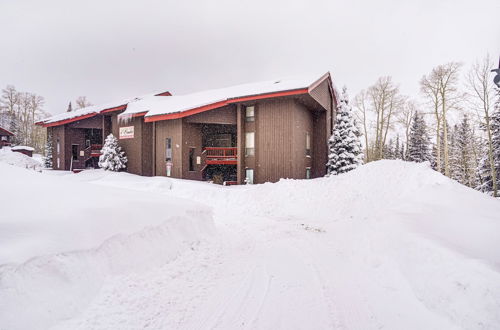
221	153
221	156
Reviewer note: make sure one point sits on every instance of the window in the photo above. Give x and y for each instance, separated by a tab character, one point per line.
58	147
58	163
308	144
249	176
168	149
250	113
191	159
308	172
4	138
250	144
74	151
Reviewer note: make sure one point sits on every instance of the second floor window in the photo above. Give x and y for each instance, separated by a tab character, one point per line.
250	113
250	144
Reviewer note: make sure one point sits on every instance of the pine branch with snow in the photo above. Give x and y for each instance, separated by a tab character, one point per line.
112	158
419	143
47	159
345	150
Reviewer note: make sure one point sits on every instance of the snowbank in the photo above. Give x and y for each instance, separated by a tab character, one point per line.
61	240
23	148
18	159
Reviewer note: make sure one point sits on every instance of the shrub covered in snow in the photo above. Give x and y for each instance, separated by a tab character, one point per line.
345	152
112	158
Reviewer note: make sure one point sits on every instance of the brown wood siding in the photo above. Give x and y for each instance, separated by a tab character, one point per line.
320	144
58	133
146	151
323	95
93	122
173	130
225	115
133	146
191	138
273	140
302	125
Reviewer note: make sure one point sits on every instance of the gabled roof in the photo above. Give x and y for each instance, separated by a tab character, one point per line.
5	132
93	110
156	107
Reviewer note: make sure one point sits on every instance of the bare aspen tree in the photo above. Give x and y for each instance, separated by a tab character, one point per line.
405	118
385	102
440	88
82	102
361	113
481	92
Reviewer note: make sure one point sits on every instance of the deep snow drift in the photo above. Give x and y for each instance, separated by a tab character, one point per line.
390	245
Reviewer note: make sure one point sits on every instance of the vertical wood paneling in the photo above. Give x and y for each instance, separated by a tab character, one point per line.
173	130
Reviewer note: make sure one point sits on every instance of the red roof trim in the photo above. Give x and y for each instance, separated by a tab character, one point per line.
167	93
67	121
139	114
219	104
118	108
6	131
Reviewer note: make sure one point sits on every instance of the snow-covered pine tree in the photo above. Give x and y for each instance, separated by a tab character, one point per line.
389	152
47	159
344	145
112	158
485	169
419	143
397	149
463	154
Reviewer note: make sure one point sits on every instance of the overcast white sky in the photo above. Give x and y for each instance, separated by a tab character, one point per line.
108	50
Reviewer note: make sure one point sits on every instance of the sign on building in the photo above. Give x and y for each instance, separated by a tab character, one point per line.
127	132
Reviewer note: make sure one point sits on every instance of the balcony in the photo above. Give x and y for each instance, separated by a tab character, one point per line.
221	156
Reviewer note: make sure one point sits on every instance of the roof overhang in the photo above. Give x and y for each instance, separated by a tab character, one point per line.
220	104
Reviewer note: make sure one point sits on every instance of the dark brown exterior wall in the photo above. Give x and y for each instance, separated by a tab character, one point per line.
169	129
58	134
225	115
192	138
138	148
280	140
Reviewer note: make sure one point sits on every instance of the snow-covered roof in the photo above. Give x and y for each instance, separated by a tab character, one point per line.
23	148
95	109
157	104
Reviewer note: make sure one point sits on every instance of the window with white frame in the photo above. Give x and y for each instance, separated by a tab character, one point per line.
250	113
308	144
58	147
250	144
308	172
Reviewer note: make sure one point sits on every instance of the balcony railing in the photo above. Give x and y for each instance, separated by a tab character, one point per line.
220	155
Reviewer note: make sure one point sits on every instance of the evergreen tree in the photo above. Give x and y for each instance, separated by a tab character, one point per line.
485	169
397	149
345	151
419	143
47	159
112	158
70	108
463	154
389	152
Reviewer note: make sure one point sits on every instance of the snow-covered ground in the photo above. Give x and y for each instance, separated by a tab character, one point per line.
391	245
21	160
